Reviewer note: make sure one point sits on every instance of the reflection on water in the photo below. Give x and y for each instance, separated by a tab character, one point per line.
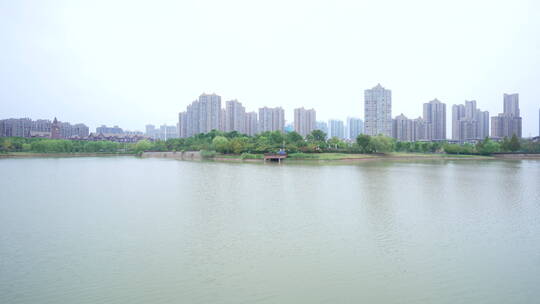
128	230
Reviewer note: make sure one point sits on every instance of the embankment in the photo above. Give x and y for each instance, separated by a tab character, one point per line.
516	156
187	155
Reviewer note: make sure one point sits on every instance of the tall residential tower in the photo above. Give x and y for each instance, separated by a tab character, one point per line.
508	123
271	119
305	121
435	114
378	111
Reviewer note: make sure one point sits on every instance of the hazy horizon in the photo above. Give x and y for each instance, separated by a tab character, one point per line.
131	64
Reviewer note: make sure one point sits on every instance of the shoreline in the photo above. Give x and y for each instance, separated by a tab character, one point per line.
319	158
53	155
339	157
359	159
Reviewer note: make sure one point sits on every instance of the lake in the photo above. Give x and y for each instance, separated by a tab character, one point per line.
129	230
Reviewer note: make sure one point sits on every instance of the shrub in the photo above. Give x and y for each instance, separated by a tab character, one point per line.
208	154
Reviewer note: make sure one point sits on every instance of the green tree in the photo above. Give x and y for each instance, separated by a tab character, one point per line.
514	144
336	143
238	145
363	141
293	138
505	144
142	145
276	138
317	136
232	134
452	148
7	145
221	144
487	147
381	144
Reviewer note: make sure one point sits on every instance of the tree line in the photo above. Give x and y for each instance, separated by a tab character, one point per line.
237	143
45	145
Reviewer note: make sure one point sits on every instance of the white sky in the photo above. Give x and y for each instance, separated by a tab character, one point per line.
136	62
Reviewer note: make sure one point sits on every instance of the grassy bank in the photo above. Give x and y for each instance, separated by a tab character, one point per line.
350	156
293	157
391	155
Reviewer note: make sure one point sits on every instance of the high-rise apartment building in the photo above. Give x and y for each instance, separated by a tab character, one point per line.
355	127
222	120
511	104
251	123
458	112
167	132
192	119
509	122
305	121
505	126
182	125
201	116
435	114
150	130
422	130
336	128
271	119
235	117
483	123
403	128
469	122
378	111
210	112
205	114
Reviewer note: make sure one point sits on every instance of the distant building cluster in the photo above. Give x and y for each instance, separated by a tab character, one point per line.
109	130
55	129
206	114
469	123
116	134
432	126
164	132
26	127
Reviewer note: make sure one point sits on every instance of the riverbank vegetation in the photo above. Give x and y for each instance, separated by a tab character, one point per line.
45	145
252	147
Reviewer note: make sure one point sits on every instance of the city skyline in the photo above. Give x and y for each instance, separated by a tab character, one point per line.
57	61
204	114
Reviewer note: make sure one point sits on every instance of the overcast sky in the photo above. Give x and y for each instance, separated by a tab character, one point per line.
130	63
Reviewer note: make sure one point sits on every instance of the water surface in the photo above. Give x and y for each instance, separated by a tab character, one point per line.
128	230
